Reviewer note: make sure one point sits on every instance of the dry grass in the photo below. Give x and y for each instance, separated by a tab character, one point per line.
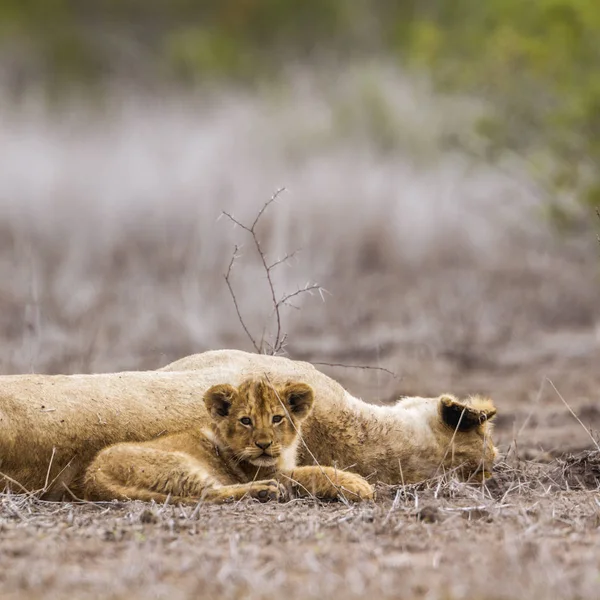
439	269
447	259
439	540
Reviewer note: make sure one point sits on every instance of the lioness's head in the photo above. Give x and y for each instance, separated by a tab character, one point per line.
468	424
258	421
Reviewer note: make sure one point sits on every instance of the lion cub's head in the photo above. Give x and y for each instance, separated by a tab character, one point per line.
258	421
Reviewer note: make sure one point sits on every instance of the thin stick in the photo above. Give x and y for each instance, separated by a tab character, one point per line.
49	468
11	480
261	254
45	488
535	403
393	507
365	367
235	303
575	415
285	259
401	473
278	303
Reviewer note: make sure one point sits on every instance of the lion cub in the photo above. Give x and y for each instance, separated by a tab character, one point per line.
250	450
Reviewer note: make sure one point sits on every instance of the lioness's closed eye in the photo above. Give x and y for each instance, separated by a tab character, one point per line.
249	450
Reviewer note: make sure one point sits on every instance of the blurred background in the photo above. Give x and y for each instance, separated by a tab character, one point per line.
441	161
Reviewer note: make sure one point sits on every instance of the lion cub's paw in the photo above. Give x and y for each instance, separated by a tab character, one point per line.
354	487
267	491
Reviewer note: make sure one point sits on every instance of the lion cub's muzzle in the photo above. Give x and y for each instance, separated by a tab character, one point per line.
263	454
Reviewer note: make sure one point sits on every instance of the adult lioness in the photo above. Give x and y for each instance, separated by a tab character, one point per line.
249	450
411	441
52	426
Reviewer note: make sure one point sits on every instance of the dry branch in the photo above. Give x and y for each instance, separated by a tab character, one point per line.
278	301
364	367
233	297
594	441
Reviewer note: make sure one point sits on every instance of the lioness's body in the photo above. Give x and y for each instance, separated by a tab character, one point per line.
51	427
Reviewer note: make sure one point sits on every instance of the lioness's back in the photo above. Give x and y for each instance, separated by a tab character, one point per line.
239	360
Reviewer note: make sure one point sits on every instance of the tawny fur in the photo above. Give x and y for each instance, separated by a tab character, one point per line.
51	427
248	450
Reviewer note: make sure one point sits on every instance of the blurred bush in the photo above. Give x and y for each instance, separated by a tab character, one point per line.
536	64
191	39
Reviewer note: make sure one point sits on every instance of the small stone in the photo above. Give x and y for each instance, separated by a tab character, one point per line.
428	514
147	516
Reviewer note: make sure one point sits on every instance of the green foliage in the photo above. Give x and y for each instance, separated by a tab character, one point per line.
190	39
537	63
194	52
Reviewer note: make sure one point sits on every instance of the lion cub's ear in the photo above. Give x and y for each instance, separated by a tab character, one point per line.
218	400
299	398
466	415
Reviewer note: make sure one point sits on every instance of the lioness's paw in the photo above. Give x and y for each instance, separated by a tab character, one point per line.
267	491
354	487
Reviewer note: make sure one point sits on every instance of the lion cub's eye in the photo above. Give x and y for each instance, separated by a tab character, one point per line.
277	419
246	421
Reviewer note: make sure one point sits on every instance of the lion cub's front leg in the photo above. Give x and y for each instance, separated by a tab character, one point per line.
136	472
327	483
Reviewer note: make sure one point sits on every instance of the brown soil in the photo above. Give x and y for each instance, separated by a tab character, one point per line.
446	542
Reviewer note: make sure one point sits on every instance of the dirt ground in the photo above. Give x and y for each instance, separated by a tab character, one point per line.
445	543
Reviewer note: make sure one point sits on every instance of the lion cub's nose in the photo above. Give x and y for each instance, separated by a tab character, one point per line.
263	445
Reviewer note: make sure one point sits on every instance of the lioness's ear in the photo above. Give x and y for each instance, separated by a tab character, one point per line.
218	400
299	398
466	415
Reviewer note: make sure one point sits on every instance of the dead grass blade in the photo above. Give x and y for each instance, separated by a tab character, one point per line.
594	441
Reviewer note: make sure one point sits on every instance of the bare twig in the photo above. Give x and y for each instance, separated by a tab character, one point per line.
365	367
277	302
233	297
8	479
49	469
574	415
534	407
285	259
308	289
